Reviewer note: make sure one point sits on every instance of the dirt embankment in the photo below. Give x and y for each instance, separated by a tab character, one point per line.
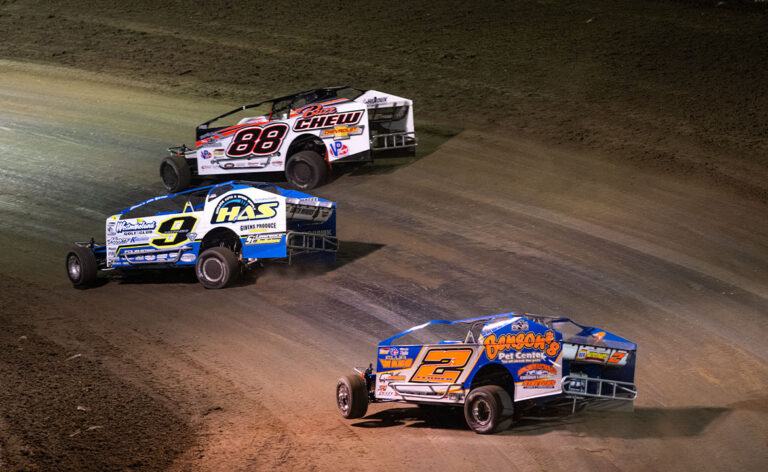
674	86
64	408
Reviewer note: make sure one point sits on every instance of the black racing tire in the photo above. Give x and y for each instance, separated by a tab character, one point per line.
352	396
488	409
306	170
81	266
217	267
176	174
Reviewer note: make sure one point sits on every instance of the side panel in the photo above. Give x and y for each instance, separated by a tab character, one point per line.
255	216
260	145
154	240
529	351
436	370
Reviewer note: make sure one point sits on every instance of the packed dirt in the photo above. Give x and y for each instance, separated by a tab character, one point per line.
601	160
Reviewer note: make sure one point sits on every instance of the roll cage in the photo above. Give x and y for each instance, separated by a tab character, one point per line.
285	104
190	200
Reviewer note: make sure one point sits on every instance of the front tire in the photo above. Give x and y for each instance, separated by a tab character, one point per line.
488	409
217	267
176	174
81	266
306	170
352	396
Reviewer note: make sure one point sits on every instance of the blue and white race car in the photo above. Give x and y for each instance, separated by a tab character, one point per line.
216	229
491	363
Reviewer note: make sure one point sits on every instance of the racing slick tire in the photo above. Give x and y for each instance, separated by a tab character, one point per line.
175	173
81	266
306	170
217	267
352	396
488	409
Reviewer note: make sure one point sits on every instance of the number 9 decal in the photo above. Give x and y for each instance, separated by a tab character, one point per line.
442	365
175	231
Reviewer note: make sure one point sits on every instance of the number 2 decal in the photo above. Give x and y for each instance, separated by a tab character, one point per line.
257	141
442	365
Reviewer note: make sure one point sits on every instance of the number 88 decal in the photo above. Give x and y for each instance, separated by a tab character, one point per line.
442	365
257	141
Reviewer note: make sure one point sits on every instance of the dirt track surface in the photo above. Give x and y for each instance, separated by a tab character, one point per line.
155	372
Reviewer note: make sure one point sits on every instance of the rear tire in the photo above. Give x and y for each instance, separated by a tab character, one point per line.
81	266
306	170
217	267
176	174
352	396
488	409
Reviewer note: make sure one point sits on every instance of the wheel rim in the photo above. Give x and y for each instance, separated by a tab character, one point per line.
170	179
301	173
212	270
73	267
342	398
481	412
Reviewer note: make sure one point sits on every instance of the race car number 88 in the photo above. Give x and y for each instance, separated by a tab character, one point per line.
257	141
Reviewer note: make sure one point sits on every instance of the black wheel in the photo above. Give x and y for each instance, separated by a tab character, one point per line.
306	170
81	266
488	409
352	396
217	267
176	174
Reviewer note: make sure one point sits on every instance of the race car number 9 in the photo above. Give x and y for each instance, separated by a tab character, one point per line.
175	231
257	141
442	365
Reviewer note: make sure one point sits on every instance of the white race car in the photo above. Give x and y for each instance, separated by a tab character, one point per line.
303	135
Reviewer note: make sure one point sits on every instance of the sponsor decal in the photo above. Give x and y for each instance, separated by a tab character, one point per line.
258	226
383	351
519	325
396	363
344	119
269	238
238	207
539	383
188	257
390	377
138	227
375	100
338	149
205	154
342	132
315	110
519	357
538	369
601	355
523	340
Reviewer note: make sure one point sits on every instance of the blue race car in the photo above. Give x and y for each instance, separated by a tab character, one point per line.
216	229
491	363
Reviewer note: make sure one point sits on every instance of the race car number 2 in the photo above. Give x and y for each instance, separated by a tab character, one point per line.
257	141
